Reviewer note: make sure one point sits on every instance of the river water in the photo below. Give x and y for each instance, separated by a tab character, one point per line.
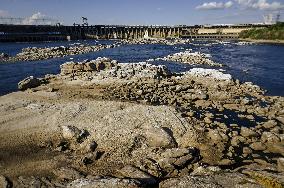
262	64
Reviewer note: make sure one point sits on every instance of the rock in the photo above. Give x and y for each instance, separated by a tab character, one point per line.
3	55
258	146
135	173
67	174
237	140
208	73
70	132
269	124
246	132
191	58
87	66
177	158
226	162
280	164
219	179
267	179
247	150
206	170
158	137
107	182
4	182
190	181
270	138
88	146
29	82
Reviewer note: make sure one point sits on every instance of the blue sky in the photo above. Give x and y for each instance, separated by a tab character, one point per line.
144	12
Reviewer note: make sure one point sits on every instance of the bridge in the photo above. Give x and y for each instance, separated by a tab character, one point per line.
30	33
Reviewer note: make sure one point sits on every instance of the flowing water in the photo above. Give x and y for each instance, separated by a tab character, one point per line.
261	64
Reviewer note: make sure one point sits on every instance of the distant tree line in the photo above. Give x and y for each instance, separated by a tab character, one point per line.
273	32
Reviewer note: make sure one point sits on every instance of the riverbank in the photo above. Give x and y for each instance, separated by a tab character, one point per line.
281	42
110	124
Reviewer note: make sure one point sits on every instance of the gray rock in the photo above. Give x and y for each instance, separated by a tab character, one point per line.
29	82
104	183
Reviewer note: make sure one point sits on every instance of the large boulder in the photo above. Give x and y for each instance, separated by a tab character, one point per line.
29	82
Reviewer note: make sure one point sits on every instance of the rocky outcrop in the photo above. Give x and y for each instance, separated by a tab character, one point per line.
193	58
107	68
34	53
29	82
87	66
123	124
208	73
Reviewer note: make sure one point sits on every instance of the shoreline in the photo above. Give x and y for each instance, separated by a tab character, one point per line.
142	125
262	41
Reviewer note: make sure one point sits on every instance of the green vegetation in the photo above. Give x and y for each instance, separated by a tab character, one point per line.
274	32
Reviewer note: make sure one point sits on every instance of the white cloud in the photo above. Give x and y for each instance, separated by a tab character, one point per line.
3	13
261	4
215	5
36	18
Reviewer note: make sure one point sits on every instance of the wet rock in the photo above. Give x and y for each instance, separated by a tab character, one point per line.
29	82
135	173
106	182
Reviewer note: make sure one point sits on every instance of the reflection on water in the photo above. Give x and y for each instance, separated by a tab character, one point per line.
260	64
